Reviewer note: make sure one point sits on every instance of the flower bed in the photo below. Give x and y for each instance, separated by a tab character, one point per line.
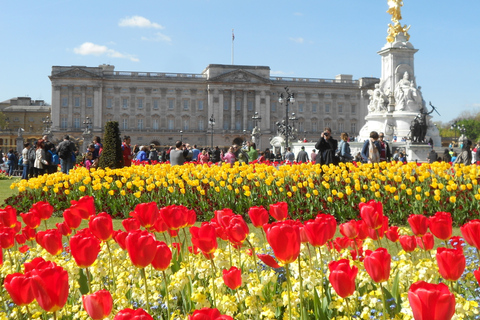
222	270
308	188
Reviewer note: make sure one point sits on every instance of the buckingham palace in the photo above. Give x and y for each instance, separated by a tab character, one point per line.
220	104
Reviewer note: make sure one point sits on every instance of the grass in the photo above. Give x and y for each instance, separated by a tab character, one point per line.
5	191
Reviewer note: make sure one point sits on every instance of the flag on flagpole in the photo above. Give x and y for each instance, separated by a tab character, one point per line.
233	36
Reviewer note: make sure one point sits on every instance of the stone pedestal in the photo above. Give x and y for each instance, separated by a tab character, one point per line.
20	144
417	152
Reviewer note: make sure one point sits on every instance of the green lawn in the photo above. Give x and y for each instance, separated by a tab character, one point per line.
5	191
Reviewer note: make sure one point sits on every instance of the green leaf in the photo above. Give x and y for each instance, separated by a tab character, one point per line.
82	281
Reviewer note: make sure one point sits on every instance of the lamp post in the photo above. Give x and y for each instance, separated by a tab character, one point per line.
181	135
211	122
47	123
87	133
454	126
462	131
288	97
256	132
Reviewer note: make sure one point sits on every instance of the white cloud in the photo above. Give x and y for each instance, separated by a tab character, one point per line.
140	22
158	37
297	40
298	14
280	73
89	48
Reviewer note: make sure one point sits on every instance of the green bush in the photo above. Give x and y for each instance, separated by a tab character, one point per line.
111	156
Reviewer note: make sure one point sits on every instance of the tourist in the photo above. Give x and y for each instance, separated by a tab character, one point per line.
446	156
65	151
252	151
454	156
385	152
51	157
195	153
326	147
11	162
215	155
127	151
98	147
261	157
142	154
229	157
432	156
31	160
26	148
313	156
203	157
289	156
371	149
402	158
302	155
40	161
178	156
465	156
344	149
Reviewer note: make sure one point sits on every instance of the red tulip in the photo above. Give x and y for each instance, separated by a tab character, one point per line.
441	225
349	229
160	225
191	218
451	263
101	226
377	264
50	240
372	213
85	248
22	249
342	277
44	209
471	233
316	232
341	243
268	260
18	227
232	277
20	238
330	224
204	238
31	219
38	264
193	249
208	314
19	288
72	220
279	211
431	301
141	247
362	230
258	216
64	229
7	238
456	242
8	217
50	287
418	223
408	243
173	233
376	234
237	230
476	273
130	224
129	314
163	256
392	234
146	214
426	242
98	305
119	236
284	238
84	207
174	216
1	256
29	233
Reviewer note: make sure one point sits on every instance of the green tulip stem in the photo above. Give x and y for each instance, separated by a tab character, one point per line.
166	293
384	302
289	287
214	270
240	258
165	237
10	257
240	306
230	249
89	278
264	236
254	255
144	275
45	222
321	269
111	266
55	312
348	309
301	284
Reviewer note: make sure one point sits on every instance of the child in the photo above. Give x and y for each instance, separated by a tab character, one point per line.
88	160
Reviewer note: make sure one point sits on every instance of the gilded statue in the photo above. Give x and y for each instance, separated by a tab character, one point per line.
394	7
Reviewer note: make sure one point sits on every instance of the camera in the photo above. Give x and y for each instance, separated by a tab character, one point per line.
325	134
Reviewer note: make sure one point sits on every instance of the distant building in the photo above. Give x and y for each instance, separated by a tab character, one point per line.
26	115
164	107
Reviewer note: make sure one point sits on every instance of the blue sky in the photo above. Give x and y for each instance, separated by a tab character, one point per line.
303	38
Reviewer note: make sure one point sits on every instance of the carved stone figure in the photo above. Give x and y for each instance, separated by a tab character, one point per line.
378	99
394	7
407	97
256	135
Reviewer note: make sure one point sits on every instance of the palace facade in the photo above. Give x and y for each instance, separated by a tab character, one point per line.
164	107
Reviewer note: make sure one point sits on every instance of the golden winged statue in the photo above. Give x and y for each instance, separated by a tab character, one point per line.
394	8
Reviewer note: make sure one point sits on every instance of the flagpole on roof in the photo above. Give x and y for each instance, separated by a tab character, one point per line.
233	39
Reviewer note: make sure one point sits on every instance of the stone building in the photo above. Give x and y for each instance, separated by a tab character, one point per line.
23	116
165	107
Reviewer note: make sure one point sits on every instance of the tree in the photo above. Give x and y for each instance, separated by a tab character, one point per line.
3	120
111	156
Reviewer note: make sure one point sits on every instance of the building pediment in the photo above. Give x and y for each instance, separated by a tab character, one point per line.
240	76
76	73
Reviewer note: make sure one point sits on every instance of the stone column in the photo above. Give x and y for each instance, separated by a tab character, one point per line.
245	109
97	108
56	105
232	110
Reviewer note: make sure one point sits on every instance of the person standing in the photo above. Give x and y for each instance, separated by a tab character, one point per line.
31	160
40	161
371	149
252	151
127	151
26	148
215	155
203	156
195	153
432	156
11	161
302	155
313	156
65	151
289	156
98	147
344	148
326	147
386	152
465	156
229	157
178	155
